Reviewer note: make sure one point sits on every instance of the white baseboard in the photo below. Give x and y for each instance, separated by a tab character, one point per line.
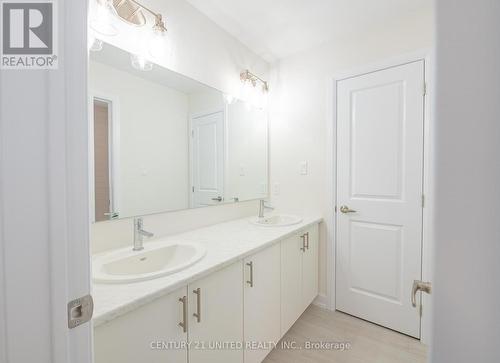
321	301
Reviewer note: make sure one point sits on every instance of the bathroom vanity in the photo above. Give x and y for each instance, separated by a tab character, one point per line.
231	306
163	142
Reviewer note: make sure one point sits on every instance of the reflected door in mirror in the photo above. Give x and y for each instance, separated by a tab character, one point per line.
208	159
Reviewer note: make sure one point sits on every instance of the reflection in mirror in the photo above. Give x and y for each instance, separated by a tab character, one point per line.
164	142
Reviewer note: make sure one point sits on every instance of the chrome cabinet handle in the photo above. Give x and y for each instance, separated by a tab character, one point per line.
303	248
197	315
218	199
183	323
345	209
250	282
419	286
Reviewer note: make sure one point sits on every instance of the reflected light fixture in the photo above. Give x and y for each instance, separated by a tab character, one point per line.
229	99
94	43
140	62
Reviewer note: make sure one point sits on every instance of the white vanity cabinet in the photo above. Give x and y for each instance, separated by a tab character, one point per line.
228	316
150	334
310	269
261	302
216	317
299	274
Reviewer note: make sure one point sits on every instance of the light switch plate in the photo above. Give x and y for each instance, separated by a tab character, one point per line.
303	168
276	188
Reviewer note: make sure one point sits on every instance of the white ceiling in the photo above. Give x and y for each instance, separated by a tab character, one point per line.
275	29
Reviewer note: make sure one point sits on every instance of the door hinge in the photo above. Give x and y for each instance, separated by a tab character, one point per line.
192	189
425	89
335	209
80	311
423	201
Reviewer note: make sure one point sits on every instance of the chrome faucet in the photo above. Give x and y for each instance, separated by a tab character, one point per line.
262	208
139	233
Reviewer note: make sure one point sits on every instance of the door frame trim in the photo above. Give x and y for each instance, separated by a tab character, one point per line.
428	245
113	102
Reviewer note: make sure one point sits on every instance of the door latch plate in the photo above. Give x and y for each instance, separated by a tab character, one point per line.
80	311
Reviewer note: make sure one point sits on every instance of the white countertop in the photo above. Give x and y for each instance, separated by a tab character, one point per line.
226	243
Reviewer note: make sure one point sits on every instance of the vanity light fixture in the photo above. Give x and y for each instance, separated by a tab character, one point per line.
130	11
100	21
248	77
250	92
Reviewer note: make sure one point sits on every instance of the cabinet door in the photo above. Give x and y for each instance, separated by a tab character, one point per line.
216	317
262	302
291	282
310	266
143	334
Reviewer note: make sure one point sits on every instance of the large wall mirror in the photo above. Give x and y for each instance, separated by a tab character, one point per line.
163	142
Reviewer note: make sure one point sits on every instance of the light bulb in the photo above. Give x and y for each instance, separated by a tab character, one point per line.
101	20
94	44
229	99
158	44
140	62
247	91
263	97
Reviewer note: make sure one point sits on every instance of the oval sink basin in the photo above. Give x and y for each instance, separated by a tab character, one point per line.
277	221
156	260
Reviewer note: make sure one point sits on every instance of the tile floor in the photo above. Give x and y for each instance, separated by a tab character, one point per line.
369	343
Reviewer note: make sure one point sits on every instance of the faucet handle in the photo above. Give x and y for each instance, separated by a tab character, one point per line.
268	206
147	234
138	222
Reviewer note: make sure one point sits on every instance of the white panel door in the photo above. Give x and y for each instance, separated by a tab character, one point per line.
216	317
379	176
262	302
208	159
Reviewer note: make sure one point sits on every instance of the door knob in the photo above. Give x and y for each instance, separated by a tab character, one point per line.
345	209
112	215
419	286
218	199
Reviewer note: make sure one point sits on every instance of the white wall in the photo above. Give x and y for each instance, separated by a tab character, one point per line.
153	141
300	106
246	152
206	102
467	269
203	51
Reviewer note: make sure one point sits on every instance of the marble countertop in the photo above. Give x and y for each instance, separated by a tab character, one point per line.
226	243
